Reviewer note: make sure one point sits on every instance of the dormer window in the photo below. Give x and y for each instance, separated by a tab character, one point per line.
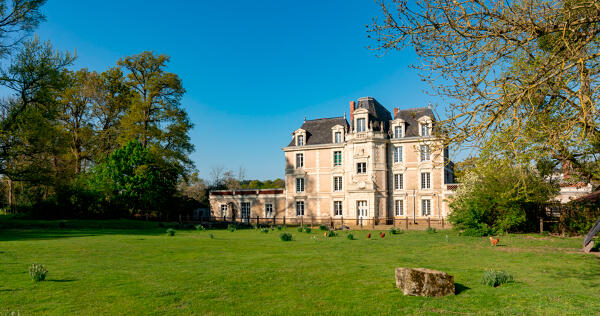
397	132
300	139
425	129
360	125
338	137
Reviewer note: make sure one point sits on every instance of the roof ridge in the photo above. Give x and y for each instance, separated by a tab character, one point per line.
325	118
417	108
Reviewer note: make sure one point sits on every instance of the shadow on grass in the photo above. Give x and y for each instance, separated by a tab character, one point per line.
47	234
459	288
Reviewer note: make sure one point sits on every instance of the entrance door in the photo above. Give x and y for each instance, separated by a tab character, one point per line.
245	211
361	210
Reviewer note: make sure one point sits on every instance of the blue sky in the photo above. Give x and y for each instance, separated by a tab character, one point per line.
252	69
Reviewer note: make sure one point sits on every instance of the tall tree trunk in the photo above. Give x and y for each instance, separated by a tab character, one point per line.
10	204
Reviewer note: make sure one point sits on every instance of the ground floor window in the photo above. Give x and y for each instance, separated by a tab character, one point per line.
223	209
299	208
426	207
245	209
361	208
337	208
268	210
399	207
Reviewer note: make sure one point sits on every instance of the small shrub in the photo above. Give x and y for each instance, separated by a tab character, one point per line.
323	227
211	236
285	237
231	228
265	230
431	230
331	233
495	278
395	231
37	272
481	230
350	236
170	232
278	227
307	230
300	229
200	227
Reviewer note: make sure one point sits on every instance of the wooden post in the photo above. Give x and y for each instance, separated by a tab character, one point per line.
284	220
406	221
342	221
442	222
312	221
394	222
274	222
428	222
361	220
257	220
541	225
224	218
180	222
302	221
373	223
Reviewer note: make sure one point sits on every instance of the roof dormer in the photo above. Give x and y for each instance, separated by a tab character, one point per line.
398	128
300	137
425	124
337	134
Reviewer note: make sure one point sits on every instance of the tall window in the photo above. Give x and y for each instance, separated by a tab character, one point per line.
425	129
398	181
426	207
223	209
299	160
337	208
361	167
337	158
245	210
398	154
338	137
299	185
360	125
300	140
398	132
268	210
425	152
337	183
299	208
425	180
399	207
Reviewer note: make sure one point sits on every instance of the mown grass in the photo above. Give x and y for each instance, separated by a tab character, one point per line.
142	271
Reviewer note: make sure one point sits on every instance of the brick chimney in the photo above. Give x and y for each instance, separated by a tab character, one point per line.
352	106
395	113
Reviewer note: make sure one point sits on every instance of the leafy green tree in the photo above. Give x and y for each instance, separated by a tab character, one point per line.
497	196
156	117
136	178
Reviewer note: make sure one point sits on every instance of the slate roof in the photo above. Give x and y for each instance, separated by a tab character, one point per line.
411	117
378	114
319	131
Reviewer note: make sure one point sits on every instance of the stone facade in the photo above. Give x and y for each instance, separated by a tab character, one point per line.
374	167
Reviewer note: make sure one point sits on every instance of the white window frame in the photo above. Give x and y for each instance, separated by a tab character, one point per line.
338	208
299	208
299	160
425	207
398	152
268	210
337	140
360	170
425	129
398	181
425	152
338	183
248	211
361	127
300	140
425	180
399	207
300	185
224	209
335	164
398	131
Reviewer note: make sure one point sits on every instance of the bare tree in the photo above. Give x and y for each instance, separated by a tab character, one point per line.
518	76
216	175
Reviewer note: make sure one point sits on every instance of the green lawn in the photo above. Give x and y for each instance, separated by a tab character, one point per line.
107	269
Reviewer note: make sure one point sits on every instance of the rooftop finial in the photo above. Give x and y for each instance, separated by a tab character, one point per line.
344	115
429	105
304	118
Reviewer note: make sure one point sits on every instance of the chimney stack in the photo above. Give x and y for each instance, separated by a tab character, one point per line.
352	106
395	113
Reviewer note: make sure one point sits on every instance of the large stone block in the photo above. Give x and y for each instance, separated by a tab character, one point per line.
424	282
